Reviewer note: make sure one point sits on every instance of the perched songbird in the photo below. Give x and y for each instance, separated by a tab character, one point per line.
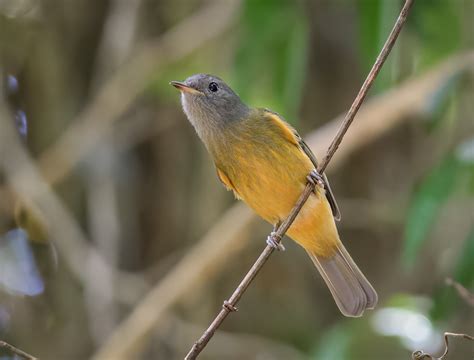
264	161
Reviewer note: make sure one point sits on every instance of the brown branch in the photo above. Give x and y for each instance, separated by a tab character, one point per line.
230	344
420	355
229	236
16	351
229	305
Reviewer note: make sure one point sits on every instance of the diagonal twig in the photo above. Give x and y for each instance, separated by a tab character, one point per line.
229	305
22	354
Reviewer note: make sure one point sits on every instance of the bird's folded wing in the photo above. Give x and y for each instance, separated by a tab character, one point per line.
296	139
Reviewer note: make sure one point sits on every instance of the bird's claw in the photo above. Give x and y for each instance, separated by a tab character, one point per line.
316	178
227	305
274	241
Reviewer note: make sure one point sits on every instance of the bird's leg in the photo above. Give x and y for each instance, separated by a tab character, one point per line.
274	239
316	179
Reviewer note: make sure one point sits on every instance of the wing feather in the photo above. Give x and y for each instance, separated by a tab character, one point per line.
227	182
291	134
329	194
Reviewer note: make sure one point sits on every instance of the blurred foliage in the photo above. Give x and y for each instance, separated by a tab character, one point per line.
375	22
438	27
439	24
274	56
270	56
442	101
427	200
436	30
334	345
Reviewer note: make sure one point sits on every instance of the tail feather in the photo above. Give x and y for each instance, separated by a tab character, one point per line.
349	287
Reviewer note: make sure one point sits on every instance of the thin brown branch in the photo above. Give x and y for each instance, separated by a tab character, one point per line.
174	331
229	305
420	355
229	236
16	351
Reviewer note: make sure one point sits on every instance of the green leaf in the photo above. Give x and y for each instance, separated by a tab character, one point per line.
271	53
376	18
368	26
438	26
431	195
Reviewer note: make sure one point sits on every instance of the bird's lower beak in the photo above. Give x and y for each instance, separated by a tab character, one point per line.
185	88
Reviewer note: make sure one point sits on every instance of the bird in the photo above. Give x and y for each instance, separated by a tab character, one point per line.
266	163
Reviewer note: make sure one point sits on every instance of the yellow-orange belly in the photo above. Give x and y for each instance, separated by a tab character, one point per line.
271	183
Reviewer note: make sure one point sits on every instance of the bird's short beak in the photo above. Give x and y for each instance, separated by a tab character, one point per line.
185	88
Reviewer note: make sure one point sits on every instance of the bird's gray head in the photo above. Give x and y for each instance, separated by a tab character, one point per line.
209	103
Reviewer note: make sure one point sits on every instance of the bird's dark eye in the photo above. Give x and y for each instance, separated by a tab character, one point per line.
213	87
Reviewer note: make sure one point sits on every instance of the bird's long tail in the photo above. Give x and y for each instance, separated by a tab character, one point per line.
349	287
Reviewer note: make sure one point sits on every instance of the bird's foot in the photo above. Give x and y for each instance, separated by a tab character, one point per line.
227	305
315	178
274	241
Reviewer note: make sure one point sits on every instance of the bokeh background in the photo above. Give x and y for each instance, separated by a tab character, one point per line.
118	241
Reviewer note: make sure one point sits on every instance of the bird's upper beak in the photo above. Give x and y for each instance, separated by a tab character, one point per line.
185	88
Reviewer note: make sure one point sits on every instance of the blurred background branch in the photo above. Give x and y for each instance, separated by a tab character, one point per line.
23	177
118	93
